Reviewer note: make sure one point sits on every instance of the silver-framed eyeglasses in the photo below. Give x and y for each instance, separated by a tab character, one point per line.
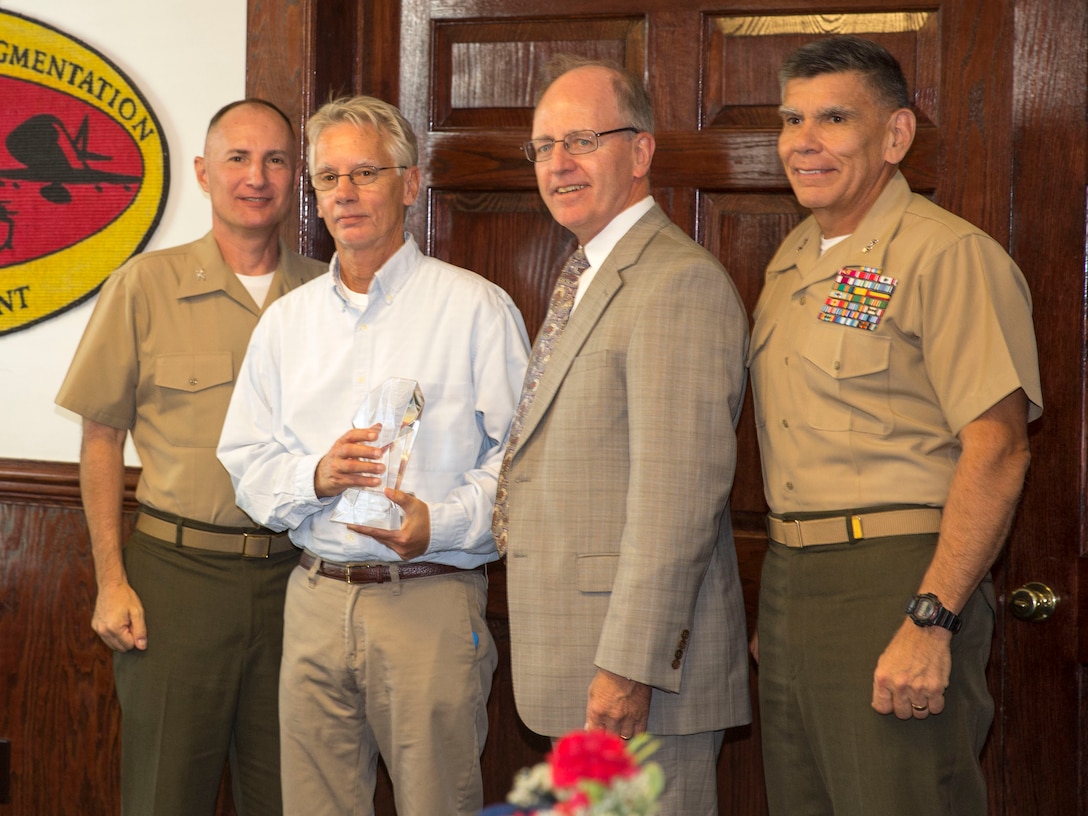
361	176
576	143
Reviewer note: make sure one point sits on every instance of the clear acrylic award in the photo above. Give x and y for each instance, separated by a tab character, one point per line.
396	405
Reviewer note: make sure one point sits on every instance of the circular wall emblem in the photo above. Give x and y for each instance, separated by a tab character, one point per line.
83	171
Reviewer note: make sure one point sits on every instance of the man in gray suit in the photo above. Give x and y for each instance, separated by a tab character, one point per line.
625	605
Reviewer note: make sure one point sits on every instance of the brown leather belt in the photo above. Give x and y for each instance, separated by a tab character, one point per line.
376	573
248	543
849	528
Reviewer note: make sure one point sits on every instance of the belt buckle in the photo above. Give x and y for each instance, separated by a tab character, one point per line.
370	574
247	537
799	527
854	529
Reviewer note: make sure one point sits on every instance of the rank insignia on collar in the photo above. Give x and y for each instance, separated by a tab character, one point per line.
858	297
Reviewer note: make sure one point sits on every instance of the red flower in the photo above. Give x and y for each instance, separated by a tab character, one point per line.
590	755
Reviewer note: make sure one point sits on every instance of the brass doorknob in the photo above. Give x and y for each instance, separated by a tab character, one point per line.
1033	602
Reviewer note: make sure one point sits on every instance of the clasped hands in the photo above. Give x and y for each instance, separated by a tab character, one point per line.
354	463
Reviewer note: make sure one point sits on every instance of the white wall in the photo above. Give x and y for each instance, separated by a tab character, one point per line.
187	57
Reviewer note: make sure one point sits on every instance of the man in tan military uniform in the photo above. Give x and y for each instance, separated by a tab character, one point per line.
894	370
193	606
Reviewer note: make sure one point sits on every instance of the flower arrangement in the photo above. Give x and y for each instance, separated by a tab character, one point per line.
592	773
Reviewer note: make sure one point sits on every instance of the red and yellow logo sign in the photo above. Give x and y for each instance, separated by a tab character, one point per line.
83	171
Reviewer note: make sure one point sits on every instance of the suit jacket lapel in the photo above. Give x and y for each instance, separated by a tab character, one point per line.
602	289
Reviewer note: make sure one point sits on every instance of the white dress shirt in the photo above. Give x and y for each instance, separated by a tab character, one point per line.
313	359
600	246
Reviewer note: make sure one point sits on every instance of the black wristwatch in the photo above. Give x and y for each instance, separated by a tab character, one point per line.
926	610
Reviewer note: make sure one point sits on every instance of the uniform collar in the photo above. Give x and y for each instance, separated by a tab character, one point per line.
866	247
210	273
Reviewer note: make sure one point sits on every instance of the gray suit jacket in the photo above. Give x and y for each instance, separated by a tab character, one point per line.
620	546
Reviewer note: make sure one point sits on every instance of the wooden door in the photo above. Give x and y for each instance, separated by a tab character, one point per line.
999	92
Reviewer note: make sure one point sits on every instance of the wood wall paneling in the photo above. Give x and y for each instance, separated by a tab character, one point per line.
56	680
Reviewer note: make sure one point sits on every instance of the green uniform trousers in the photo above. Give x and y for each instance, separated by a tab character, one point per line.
825	616
207	686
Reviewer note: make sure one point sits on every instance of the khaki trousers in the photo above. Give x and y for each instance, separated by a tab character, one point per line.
401	669
690	764
825	616
206	687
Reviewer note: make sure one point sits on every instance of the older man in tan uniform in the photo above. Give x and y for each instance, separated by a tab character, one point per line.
193	605
894	370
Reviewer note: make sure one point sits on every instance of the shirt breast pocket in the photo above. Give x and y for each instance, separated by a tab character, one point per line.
847	371
192	392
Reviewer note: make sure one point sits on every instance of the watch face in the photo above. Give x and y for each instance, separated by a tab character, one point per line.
924	608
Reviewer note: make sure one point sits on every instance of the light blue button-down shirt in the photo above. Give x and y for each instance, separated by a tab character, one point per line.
314	358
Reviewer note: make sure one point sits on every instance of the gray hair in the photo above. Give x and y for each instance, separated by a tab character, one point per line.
365	111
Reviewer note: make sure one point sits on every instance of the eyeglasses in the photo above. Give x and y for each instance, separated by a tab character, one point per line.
361	176
577	142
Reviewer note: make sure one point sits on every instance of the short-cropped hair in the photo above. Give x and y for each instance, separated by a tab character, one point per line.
845	53
253	100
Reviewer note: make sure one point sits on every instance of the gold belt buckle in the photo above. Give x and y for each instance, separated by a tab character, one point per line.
856	528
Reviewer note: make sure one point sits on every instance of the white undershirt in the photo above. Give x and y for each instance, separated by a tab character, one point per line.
258	286
827	243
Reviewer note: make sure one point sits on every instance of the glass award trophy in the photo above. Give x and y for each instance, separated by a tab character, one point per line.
396	405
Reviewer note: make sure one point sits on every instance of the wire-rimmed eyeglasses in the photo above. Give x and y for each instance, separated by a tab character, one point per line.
361	176
576	142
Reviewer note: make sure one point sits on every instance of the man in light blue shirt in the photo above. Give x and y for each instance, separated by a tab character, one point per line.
382	627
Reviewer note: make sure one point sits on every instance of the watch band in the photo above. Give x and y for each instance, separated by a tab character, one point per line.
939	616
947	619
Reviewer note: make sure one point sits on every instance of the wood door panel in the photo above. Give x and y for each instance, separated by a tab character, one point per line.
744	52
480	160
509	238
712	159
745	230
481	66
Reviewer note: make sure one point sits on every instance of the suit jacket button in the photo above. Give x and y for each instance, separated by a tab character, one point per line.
676	664
679	654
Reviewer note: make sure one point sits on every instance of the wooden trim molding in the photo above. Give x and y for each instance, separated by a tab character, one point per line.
51	484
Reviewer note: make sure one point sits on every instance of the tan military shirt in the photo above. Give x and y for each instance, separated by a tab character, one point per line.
159	357
866	362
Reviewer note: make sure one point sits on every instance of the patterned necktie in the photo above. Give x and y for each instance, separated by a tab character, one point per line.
554	322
